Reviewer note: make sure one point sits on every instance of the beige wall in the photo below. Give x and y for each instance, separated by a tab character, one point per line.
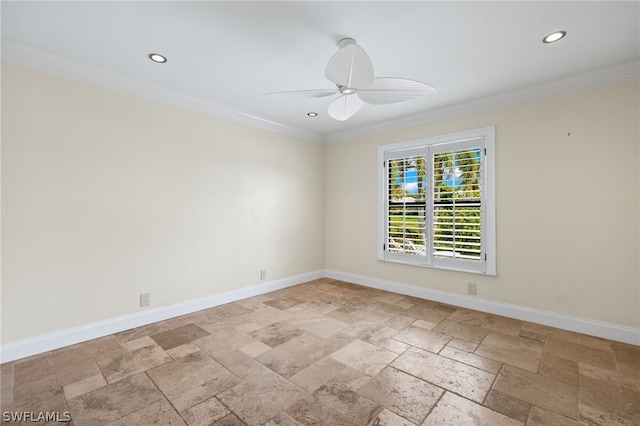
567	192
107	195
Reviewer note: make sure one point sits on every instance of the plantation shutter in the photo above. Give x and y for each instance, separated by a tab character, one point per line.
457	210
406	204
437	202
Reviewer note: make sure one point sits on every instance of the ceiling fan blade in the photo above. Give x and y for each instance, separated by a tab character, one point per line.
350	67
344	107
316	93
387	90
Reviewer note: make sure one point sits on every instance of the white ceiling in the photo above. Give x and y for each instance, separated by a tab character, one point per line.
224	56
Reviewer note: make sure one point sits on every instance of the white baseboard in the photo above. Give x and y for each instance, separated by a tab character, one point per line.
71	336
579	325
13	351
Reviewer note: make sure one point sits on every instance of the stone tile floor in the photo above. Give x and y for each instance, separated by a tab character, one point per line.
333	353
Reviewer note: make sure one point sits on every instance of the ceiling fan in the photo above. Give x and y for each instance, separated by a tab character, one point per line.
352	72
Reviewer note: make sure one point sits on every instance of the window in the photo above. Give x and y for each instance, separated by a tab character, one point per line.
436	205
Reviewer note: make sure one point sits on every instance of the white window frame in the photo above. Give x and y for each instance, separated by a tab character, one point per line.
483	138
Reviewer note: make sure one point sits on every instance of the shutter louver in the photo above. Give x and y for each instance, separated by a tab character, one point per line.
406	203
457	204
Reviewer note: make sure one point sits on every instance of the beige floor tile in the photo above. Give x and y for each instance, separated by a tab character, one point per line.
401	393
29	380
422	338
378	312
83	386
158	413
351	378
382	337
276	334
89	351
531	335
580	353
256	301
363	356
283	303
490	322
320	325
606	395
141	342
177	322
182	350
179	336
204	413
212	316
507	405
390	298
463	345
228	420
388	418
299	353
260	397
626	354
425	324
516	351
593	416
319	307
266	315
461	330
6	384
542	417
131	363
428	312
404	304
399	321
473	360
240	364
221	342
282	419
114	401
136	333
558	368
334	404
190	380
316	375
580	339
455	411
446	373
544	392
254	349
39	401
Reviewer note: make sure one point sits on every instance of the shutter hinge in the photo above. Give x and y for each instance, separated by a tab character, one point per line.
485	257
384	247
485	151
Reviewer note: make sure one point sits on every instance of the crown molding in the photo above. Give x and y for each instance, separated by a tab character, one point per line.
41	60
44	61
599	78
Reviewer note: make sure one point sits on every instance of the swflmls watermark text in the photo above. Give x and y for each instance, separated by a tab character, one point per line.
36	416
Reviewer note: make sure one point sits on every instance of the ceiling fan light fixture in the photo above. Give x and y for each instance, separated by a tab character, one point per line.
347	91
554	36
156	57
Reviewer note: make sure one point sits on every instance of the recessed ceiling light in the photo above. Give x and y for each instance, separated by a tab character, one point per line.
553	37
155	57
312	114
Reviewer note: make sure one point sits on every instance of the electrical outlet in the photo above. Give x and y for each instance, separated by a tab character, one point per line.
263	274
471	289
145	299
